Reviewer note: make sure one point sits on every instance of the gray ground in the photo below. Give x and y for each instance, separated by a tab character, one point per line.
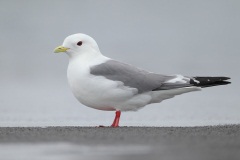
134	143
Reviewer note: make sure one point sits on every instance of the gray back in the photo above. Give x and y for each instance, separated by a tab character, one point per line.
131	76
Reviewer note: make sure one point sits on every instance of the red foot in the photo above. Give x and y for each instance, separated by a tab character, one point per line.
116	120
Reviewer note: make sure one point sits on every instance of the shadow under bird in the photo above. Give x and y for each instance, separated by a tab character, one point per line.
102	83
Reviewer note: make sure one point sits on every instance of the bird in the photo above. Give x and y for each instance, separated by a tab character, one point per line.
106	84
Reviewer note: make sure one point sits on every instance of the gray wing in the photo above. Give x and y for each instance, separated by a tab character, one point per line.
134	77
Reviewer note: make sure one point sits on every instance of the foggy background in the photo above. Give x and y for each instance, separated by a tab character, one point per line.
193	38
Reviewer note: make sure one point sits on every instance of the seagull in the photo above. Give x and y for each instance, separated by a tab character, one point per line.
105	84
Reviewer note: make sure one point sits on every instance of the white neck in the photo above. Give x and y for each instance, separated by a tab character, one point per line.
89	58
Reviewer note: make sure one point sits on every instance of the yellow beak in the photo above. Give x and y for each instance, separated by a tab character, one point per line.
60	49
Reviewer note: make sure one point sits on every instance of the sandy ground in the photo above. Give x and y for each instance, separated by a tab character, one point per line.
133	143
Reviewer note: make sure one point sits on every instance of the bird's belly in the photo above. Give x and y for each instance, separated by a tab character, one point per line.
100	93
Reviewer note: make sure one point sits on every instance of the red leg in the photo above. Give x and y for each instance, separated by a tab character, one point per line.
116	120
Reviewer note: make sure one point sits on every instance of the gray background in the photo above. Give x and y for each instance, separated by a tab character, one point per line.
169	37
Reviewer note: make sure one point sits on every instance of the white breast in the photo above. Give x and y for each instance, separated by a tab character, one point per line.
96	91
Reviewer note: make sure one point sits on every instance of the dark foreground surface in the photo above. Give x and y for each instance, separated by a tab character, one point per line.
133	143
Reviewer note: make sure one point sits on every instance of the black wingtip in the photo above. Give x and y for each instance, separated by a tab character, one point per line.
209	81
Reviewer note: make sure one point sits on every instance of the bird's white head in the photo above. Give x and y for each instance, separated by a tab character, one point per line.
78	44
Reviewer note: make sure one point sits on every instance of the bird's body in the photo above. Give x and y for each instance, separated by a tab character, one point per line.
105	84
105	94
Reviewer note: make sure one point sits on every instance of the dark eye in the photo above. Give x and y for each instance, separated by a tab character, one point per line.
79	43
